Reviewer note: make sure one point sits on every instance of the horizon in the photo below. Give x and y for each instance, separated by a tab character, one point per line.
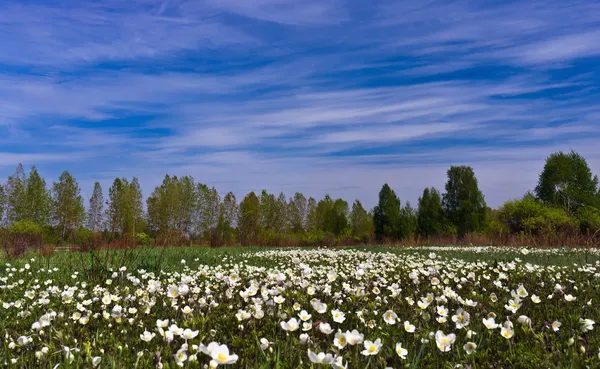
316	97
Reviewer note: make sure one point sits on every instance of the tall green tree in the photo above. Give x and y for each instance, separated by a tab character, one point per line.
114	207
408	221
96	209
38	201
68	208
361	222
567	181
463	203
124	211
386	215
2	203
298	212
164	207
226	224
207	215
15	190
430	214
249	219
311	215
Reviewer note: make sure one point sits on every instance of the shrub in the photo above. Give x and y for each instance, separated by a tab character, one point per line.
25	227
143	239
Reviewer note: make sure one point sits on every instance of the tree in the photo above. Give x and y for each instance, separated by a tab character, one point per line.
124	211
38	201
15	192
114	206
227	219
2	203
297	212
134	207
408	221
311	215
164	207
361	222
95	213
386	215
249	219
430	214
207	214
567	181
463	202
68	209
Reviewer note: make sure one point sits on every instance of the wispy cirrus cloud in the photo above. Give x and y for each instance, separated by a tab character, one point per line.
299	95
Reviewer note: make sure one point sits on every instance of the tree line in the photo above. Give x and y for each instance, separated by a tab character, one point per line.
564	203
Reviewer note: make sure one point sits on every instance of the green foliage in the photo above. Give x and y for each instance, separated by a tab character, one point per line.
361	223
83	235
529	216
68	210
172	206
408	221
143	239
386	215
25	227
249	219
463	202
430	214
124	212
37	199
589	219
567	181
95	213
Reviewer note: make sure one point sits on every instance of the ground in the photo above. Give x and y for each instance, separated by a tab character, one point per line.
369	307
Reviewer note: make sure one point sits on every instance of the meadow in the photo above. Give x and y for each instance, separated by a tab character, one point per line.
368	307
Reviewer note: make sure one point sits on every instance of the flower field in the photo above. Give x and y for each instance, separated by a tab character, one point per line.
313	308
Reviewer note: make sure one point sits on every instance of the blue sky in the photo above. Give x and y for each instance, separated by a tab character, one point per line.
317	96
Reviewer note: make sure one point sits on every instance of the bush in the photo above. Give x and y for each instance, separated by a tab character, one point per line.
589	219
143	239
25	227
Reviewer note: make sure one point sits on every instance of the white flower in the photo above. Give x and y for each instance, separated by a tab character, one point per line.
390	317
304	338
570	297
325	328
96	361
409	327
524	319
180	356
147	336
221	355
354	337
490	323
587	324
340	340
338	316
535	299
507	332
320	358
556	325
461	319
189	334
304	316
401	351
444	342
470	347
371	348
264	343
319	307
291	325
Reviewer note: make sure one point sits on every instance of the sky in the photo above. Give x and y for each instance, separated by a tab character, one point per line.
316	96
